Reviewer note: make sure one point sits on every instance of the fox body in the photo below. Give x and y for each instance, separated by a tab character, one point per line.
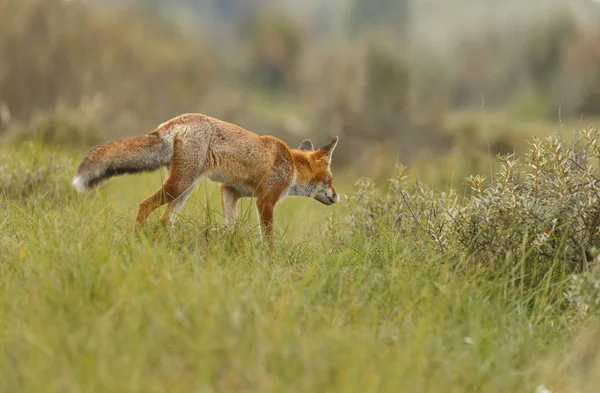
193	146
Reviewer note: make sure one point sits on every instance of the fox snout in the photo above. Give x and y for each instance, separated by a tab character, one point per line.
335	197
329	197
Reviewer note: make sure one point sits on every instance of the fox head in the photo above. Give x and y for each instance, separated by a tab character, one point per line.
320	181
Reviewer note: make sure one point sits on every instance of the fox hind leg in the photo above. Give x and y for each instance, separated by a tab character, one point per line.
174	191
183	173
168	217
166	194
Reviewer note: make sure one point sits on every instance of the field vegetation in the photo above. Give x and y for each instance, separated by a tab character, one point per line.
464	256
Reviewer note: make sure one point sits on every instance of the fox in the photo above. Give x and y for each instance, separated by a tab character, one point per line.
193	146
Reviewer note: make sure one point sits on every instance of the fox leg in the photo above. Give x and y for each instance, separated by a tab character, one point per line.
167	193
168	217
265	212
229	197
183	172
265	206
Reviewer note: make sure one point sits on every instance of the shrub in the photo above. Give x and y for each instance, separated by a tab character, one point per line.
584	291
534	215
541	211
406	209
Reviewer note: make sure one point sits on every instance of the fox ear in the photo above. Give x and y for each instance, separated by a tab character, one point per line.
307	145
328	148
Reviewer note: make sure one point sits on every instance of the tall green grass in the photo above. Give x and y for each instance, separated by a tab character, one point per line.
87	305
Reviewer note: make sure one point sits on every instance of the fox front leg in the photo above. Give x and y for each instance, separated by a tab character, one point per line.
265	211
229	197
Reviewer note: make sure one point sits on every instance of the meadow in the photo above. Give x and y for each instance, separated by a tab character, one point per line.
87	305
475	268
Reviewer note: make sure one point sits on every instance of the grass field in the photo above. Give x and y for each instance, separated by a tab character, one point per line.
86	305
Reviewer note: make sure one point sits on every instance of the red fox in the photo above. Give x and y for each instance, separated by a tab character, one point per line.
193	146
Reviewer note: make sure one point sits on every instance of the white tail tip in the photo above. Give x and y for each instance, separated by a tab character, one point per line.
79	183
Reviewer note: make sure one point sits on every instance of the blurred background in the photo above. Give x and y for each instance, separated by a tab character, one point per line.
442	86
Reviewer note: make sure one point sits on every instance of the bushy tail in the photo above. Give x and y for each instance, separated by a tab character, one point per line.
141	154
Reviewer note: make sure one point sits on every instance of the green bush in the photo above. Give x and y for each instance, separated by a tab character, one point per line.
584	291
543	211
532	216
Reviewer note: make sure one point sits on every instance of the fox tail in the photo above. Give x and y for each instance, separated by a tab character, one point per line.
134	155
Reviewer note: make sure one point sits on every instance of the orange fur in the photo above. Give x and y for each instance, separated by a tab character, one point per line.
194	146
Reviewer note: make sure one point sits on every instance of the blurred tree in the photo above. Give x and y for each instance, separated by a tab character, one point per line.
54	53
275	49
580	79
385	24
365	15
546	45
387	79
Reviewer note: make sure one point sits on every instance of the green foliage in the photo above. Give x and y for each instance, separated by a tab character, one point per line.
31	174
531	218
584	291
543	212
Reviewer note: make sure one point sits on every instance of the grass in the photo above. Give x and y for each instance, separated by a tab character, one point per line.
86	305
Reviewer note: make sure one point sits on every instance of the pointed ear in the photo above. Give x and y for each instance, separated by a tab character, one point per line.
307	145
328	148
